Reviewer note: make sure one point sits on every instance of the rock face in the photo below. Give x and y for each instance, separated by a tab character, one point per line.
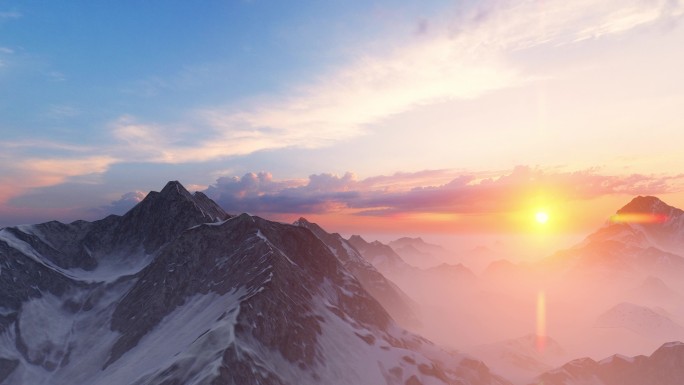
176	291
398	304
664	367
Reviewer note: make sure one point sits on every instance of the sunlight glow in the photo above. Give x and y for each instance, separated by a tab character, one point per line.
541	321
541	217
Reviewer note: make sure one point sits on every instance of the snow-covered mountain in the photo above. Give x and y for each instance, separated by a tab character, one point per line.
380	255
664	367
402	308
654	290
521	358
645	235
648	322
176	291
420	283
661	224
417	252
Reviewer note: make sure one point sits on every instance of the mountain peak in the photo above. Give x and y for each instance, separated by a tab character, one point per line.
671	346
301	222
164	215
174	187
646	205
174	194
357	239
314	227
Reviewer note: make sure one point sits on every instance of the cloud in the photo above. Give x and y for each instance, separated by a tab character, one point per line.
257	192
52	171
10	15
18	177
56	76
464	57
121	206
461	58
63	111
465	193
507	192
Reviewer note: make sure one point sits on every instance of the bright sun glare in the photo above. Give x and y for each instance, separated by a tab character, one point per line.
541	217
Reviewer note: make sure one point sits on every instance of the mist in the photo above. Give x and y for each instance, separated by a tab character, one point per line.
524	310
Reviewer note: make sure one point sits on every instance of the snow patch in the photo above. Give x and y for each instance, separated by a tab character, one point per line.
192	337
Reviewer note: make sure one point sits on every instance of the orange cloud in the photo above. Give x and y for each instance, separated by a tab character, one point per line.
18	177
468	200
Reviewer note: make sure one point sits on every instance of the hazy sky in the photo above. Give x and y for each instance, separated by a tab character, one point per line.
378	115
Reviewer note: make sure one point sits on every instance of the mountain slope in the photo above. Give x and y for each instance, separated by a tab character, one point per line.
382	256
397	303
212	299
664	367
417	252
641	320
661	223
520	359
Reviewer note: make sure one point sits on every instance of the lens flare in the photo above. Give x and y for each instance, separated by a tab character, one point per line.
541	321
638	218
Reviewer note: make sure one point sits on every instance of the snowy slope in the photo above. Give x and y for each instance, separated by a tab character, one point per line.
178	292
402	308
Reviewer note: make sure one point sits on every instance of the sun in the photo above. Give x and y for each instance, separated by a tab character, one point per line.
541	217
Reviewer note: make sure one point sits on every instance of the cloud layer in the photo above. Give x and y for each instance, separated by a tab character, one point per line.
465	193
461	58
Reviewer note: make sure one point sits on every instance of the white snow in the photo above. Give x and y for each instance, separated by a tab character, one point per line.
45	322
45	328
192	336
108	270
24	248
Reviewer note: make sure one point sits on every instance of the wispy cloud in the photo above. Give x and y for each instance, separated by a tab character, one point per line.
64	111
16	178
45	172
56	76
465	193
14	148
462	58
122	205
10	15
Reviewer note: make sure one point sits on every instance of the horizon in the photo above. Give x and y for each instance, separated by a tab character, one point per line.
513	246
451	119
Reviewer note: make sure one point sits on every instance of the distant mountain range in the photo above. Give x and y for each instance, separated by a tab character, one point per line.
626	277
664	367
177	291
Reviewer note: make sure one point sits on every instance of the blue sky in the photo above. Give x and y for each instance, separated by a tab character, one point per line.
102	100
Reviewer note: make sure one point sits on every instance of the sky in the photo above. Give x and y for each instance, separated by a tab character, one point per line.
398	117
